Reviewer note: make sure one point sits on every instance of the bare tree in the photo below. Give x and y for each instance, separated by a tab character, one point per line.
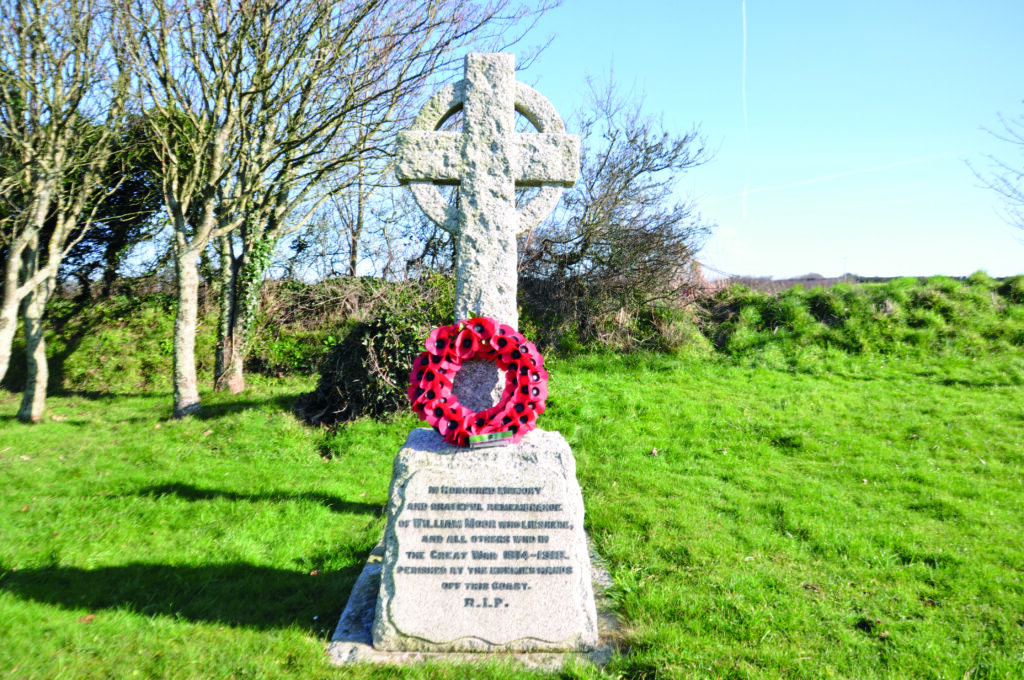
622	239
327	119
1007	178
61	108
194	86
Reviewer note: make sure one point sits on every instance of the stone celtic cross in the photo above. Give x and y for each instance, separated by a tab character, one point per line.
487	160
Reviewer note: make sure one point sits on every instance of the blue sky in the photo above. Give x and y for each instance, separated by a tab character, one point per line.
841	130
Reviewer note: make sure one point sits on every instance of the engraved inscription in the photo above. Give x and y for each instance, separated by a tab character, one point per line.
518	531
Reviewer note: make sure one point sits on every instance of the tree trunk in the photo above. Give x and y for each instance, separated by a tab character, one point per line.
228	374
234	369
186	389
207	279
84	286
33	400
110	263
357	229
249	282
9	304
242	291
232	348
8	327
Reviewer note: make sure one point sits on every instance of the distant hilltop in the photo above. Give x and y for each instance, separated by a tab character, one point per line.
768	284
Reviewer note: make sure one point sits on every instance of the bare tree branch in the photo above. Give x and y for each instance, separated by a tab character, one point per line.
1007	178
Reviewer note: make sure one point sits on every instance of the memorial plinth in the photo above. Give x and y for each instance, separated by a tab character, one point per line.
485	550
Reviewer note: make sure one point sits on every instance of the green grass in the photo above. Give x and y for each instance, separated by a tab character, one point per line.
213	547
861	522
816	515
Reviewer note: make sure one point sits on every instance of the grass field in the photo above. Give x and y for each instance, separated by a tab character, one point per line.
831	516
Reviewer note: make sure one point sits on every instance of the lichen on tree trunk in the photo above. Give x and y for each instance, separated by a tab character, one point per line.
33	400
8	327
18	267
242	280
227	372
186	390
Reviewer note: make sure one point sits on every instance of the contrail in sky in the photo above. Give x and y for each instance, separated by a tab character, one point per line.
743	82
743	89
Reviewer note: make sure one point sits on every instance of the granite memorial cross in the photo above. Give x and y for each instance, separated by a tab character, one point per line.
484	549
488	160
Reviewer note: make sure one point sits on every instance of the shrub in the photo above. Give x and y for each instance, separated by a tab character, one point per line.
1012	289
675	331
367	373
825	306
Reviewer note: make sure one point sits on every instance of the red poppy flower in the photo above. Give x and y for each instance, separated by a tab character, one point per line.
467	344
482	327
438	342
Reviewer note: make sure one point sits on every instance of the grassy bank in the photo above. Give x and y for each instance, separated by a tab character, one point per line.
902	316
857	515
124	344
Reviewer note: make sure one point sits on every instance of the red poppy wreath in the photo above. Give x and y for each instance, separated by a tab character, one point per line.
433	376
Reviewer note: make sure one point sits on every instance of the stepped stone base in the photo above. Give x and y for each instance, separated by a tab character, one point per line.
352	641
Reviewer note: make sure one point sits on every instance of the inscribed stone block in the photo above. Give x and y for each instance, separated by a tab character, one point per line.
485	549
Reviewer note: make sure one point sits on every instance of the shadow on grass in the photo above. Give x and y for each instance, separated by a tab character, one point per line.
233	594
209	411
975	383
192	493
103	395
282	402
931	377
